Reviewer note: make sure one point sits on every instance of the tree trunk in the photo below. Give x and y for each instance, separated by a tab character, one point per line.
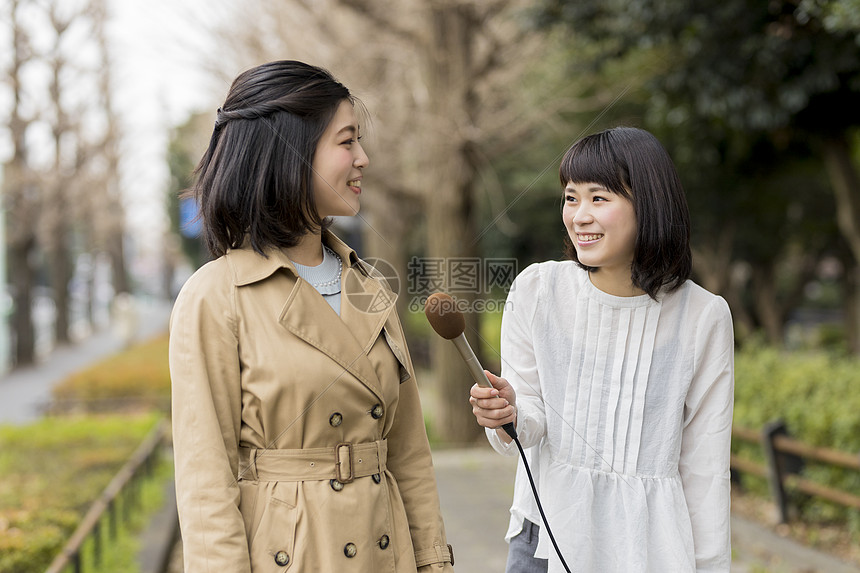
61	276
449	204
851	305
846	188
451	237
713	267
766	303
119	275
23	281
20	203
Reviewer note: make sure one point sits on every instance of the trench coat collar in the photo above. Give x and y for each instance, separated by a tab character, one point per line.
366	305
249	267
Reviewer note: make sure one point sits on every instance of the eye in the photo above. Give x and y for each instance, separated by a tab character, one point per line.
569	199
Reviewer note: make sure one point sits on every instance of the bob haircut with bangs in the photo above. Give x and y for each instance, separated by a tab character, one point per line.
254	181
632	163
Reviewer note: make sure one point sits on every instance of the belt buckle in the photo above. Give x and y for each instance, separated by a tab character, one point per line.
341	451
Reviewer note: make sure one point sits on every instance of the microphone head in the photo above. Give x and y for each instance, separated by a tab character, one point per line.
443	316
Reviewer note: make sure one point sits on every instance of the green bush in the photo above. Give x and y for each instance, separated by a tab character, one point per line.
138	376
817	395
50	473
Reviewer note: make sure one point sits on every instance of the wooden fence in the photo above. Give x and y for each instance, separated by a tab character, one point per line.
785	460
116	502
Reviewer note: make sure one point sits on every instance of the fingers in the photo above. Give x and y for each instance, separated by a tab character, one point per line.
505	390
482	392
488	403
490	409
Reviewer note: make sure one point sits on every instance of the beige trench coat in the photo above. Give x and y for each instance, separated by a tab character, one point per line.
298	434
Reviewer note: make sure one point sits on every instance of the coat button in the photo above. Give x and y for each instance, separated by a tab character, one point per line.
383	542
281	558
376	478
350	550
377	412
335	485
336	419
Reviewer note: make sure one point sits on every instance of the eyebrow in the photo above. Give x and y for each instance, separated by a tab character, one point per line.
350	128
592	189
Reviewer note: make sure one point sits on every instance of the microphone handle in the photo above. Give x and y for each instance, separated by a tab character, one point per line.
477	372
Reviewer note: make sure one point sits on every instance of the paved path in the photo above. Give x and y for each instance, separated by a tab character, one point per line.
475	491
25	392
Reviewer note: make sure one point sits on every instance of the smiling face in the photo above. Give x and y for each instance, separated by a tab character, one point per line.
337	165
602	227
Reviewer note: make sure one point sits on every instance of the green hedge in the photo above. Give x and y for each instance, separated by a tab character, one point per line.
817	395
138	377
50	473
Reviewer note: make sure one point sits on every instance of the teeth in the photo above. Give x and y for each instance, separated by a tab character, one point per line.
354	183
589	237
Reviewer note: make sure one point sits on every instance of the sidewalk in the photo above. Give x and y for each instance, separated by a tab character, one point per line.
25	392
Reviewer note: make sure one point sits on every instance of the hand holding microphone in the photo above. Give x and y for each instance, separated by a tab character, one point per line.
488	404
493	406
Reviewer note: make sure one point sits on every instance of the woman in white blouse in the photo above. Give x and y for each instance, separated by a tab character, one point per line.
618	373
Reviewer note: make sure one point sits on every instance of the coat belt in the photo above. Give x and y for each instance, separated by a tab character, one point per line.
343	462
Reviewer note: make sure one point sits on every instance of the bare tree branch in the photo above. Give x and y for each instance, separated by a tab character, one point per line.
370	10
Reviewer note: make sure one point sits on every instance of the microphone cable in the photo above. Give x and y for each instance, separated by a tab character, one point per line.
512	432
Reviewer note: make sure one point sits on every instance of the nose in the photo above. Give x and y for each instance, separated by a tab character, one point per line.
361	159
582	216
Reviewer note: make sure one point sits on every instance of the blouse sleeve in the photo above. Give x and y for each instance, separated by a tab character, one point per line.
204	370
706	439
519	366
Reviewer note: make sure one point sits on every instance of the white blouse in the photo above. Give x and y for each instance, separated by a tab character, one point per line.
626	406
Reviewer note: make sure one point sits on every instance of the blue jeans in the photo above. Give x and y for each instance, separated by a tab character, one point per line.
521	552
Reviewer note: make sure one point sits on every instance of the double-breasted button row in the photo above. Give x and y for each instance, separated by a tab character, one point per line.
336	419
282	558
350	550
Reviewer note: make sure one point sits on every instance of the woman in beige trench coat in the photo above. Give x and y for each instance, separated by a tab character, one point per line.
298	433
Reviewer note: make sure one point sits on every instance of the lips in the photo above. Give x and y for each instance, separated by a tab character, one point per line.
354	185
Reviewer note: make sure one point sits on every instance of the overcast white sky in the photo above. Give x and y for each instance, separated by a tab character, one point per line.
157	49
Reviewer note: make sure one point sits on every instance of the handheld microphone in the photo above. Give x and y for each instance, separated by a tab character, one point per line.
449	323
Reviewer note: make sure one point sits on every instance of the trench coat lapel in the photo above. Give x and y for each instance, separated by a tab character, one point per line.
368	305
366	309
346	339
365	306
307	315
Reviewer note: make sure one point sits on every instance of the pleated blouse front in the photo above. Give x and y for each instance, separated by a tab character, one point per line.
625	403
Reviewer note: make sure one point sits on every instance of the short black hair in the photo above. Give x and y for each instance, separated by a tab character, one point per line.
631	162
254	180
